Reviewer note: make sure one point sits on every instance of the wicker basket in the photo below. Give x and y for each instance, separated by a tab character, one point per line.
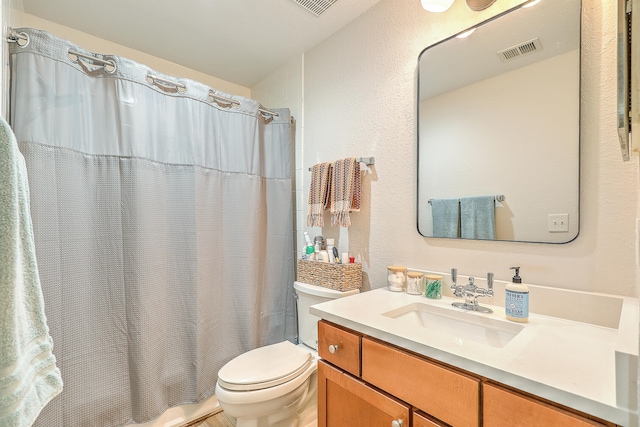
340	277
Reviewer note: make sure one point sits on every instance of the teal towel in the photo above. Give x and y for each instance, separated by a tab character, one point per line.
478	217
446	217
29	378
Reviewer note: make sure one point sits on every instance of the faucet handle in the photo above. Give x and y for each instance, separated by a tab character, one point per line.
454	275
490	280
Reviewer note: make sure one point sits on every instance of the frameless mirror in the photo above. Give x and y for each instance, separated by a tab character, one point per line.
499	115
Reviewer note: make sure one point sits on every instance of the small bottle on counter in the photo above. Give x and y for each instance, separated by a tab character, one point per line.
330	243
396	278
344	258
415	283
433	286
516	305
309	253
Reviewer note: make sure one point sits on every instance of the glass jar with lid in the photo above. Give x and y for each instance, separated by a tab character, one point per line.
433	286
396	278
415	283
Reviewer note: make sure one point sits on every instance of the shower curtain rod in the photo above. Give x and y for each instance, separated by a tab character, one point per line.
15	37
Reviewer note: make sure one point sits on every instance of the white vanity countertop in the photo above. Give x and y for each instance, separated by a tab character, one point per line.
565	361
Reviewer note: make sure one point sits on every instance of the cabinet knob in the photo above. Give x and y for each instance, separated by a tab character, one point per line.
397	423
333	348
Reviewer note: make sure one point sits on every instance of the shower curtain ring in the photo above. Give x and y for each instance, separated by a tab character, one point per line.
16	37
107	65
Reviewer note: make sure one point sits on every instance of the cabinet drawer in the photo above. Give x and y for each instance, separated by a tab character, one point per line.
506	408
345	345
345	401
420	420
446	394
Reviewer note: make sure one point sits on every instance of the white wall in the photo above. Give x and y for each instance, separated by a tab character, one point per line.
98	45
359	100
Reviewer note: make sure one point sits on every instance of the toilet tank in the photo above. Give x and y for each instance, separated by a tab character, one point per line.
309	295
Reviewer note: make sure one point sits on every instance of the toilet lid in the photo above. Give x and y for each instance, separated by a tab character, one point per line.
264	367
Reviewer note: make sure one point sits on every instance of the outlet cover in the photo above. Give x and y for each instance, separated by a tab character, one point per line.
558	223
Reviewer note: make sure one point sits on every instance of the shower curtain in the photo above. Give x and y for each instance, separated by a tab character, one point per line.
163	224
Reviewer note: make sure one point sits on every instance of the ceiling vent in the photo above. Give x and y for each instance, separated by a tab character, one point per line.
526	48
317	7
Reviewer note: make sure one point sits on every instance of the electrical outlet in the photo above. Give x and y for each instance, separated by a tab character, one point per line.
558	223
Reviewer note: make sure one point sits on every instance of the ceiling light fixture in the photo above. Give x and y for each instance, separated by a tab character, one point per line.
436	5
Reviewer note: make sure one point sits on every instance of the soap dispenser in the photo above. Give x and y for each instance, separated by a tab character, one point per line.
516	304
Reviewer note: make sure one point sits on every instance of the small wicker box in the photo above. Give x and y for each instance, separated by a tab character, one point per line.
340	277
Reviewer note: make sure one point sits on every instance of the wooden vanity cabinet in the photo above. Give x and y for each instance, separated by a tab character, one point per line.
443	393
422	420
384	397
367	382
344	400
340	347
507	408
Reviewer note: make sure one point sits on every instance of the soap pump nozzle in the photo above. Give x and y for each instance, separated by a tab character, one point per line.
516	278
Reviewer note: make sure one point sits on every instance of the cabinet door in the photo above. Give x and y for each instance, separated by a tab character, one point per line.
420	420
443	393
345	401
506	408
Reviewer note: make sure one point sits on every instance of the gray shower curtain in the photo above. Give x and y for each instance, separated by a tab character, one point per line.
163	224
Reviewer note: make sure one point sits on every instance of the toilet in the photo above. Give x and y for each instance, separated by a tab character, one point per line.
276	385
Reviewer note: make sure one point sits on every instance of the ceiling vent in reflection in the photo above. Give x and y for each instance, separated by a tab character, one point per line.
317	7
526	48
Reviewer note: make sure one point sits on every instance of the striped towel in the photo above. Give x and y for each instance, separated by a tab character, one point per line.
346	183
318	194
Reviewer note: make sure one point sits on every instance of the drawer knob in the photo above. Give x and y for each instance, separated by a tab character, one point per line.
397	423
333	348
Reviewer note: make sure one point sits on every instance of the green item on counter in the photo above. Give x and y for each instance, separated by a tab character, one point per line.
433	287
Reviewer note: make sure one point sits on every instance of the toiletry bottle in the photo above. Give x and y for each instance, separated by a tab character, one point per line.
516	305
319	240
311	254
330	250
309	250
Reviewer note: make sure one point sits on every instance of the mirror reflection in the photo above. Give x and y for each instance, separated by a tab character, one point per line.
498	128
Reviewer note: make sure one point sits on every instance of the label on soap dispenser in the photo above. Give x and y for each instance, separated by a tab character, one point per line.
517	304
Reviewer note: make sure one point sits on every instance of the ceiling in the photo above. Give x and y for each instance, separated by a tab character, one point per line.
241	41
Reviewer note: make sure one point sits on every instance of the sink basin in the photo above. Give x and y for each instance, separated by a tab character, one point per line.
459	326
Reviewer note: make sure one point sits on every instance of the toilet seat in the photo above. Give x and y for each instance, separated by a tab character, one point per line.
265	367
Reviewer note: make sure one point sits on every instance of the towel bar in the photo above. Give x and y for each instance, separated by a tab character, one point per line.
367	161
499	198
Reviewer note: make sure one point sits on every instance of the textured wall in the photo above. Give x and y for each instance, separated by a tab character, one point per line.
359	100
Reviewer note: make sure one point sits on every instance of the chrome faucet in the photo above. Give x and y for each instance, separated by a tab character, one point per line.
470	292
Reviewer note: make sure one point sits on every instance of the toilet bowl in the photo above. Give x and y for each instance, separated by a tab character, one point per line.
268	385
276	385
